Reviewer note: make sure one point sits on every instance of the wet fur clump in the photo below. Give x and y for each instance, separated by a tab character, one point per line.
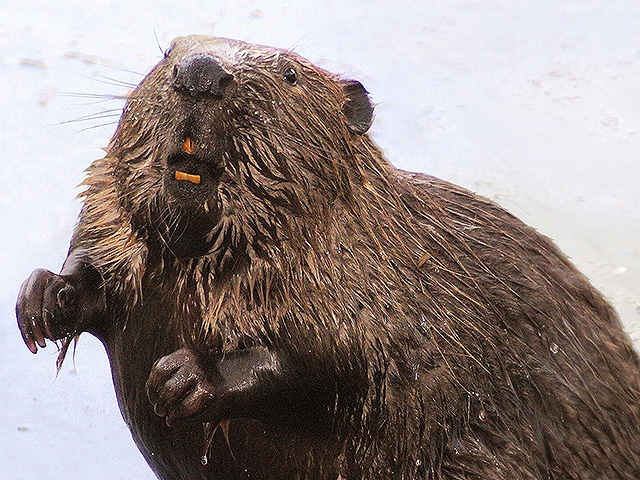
431	333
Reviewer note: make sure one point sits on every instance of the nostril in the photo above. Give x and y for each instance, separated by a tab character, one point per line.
201	74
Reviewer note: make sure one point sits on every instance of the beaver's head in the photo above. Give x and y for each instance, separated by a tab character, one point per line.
225	144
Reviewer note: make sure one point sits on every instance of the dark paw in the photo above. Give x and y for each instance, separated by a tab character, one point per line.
179	387
43	308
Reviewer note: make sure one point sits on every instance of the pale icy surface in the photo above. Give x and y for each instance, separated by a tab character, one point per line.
532	103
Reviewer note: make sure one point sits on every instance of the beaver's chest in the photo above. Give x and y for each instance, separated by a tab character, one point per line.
241	448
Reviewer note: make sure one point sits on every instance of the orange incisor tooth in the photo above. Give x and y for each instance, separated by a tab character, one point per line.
187	146
188	177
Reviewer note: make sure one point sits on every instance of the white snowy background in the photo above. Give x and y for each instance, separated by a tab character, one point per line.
534	104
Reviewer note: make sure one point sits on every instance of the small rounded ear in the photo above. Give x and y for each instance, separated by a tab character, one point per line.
358	108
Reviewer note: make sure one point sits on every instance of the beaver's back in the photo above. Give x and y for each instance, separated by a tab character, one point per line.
547	382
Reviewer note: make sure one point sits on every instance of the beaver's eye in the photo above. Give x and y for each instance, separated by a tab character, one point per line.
290	76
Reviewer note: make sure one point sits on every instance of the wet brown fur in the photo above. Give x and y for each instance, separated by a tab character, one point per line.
459	342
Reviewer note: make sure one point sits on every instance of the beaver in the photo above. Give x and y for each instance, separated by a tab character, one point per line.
277	301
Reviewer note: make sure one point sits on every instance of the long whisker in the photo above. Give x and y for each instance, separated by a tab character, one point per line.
116	82
98	96
95	116
107	80
97	126
120	69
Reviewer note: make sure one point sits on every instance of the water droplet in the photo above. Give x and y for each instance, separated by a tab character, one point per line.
482	415
204	460
418	462
554	348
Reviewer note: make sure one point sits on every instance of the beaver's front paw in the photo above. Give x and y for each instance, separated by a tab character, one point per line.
179	386
45	308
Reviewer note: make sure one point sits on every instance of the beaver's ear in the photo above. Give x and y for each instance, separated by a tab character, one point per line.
358	108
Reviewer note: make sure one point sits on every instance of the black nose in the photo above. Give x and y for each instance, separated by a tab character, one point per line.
200	75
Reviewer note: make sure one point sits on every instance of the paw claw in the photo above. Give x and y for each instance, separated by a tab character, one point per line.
37	308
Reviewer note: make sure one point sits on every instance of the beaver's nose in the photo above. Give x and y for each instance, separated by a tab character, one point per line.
201	74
